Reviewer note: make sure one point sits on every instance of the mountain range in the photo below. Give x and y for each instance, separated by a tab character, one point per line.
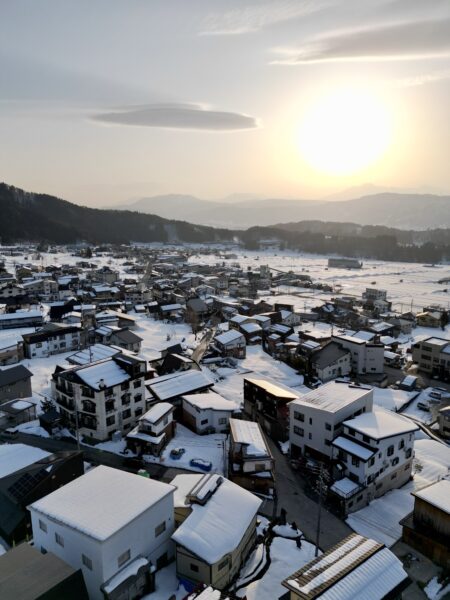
392	209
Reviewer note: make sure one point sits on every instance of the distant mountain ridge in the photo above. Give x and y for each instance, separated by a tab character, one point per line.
392	209
29	216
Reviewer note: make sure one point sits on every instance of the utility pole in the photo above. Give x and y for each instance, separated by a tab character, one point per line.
321	486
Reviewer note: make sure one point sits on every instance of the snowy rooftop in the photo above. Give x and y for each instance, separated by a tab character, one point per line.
177	384
344	487
14	457
229	336
217	527
437	494
210	400
93	353
353	448
381	424
108	371
275	389
356	568
334	395
157	412
250	434
102	501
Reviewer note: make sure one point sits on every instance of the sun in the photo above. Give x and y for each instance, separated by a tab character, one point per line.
345	132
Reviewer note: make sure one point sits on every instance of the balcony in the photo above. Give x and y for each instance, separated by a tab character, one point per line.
64	389
65	403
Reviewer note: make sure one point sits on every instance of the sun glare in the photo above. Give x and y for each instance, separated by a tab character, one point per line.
344	132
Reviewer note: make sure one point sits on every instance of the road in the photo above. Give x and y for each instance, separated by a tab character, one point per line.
200	350
93	455
302	509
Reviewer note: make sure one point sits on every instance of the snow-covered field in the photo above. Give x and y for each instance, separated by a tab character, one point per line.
380	519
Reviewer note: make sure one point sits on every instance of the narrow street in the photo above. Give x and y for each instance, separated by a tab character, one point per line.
302	509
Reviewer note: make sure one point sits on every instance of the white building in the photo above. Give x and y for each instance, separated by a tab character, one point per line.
52	339
367	357
101	397
375	452
316	418
231	343
207	412
111	524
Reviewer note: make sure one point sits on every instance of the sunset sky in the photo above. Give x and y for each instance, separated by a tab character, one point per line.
102	101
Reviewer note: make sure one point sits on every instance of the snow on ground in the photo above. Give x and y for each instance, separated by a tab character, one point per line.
230	382
32	428
155	334
211	448
380	519
435	590
286	558
424	398
167	586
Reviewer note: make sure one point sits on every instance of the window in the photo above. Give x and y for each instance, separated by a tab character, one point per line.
299	416
310	436
372	461
87	562
223	421
124	386
390	451
137	383
126	414
327	443
408	453
222	564
366	439
138	398
204	422
299	431
310	420
110	421
160	529
194	567
138	412
401	444
123	558
359	498
328	427
42	526
59	540
355	461
351	431
395	461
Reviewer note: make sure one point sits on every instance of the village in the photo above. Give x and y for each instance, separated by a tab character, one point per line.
212	422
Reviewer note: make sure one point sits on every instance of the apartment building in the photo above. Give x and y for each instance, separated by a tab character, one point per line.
102	397
366	357
432	355
317	418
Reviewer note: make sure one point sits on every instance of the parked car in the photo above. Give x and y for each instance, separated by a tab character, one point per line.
177	453
200	463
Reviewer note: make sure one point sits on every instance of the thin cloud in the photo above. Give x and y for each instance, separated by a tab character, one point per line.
424	79
401	41
178	116
252	18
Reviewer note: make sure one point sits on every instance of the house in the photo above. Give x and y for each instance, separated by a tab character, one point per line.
171	388
11	349
444	422
28	574
21	318
427	528
316	418
251	462
216	529
267	402
114	525
15	412
27	474
126	339
428	318
102	397
432	355
367	357
174	362
154	431
52	339
375	453
252	332
207	412
330	362
15	382
356	568
231	343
